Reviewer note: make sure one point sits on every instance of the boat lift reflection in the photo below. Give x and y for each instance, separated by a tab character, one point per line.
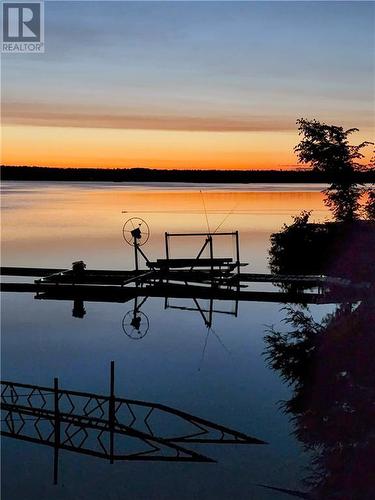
135	323
206	314
106	426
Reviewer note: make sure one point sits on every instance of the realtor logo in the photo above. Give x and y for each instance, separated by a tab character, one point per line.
23	27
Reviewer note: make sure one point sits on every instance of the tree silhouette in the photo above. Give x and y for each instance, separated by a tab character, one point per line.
330	367
370	205
326	148
369	208
297	248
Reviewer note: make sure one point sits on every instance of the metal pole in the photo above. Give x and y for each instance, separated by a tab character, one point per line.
211	312
236	303
135	310
166	246
57	430
238	252
111	411
211	254
201	251
136	253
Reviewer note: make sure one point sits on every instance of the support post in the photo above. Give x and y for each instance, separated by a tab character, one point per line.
211	255
135	310
136	254
111	411
238	252
236	303
210	316
56	429
166	236
201	251
142	253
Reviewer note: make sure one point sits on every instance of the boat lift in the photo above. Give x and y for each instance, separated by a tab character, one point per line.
198	278
136	233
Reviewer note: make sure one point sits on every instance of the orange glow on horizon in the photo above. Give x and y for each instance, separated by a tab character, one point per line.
113	148
160	149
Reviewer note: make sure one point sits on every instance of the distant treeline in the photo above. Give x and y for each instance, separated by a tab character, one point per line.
23	173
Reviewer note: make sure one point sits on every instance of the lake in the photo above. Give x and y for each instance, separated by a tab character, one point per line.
220	374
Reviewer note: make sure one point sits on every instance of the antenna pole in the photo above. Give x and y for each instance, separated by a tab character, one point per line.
205	212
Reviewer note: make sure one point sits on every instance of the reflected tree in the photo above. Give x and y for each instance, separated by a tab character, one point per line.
330	366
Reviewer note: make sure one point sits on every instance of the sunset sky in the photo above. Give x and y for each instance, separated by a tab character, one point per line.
186	84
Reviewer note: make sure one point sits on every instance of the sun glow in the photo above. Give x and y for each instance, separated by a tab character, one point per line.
92	147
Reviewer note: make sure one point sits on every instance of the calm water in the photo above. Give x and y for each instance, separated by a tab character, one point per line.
220	375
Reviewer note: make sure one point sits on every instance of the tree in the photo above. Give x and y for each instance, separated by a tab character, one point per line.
326	148
300	247
369	208
370	205
329	366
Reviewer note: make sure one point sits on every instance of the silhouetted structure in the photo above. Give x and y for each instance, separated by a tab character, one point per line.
109	286
107	427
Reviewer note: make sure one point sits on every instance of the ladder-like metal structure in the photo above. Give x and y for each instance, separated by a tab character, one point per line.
106	426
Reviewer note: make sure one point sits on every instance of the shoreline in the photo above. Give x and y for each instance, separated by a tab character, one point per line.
172	177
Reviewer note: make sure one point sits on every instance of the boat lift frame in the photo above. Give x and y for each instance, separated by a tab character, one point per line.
207	243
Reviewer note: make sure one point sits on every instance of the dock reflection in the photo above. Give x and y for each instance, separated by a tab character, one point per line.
108	427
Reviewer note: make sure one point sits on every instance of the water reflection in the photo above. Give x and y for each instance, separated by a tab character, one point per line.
52	225
73	220
330	365
135	323
108	427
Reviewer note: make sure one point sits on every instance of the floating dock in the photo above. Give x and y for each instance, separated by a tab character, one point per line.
121	286
200	277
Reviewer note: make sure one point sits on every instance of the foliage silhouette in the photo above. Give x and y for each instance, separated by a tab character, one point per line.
334	248
292	246
326	148
369	208
330	366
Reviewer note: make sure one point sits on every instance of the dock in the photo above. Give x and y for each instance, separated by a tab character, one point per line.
203	276
121	286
